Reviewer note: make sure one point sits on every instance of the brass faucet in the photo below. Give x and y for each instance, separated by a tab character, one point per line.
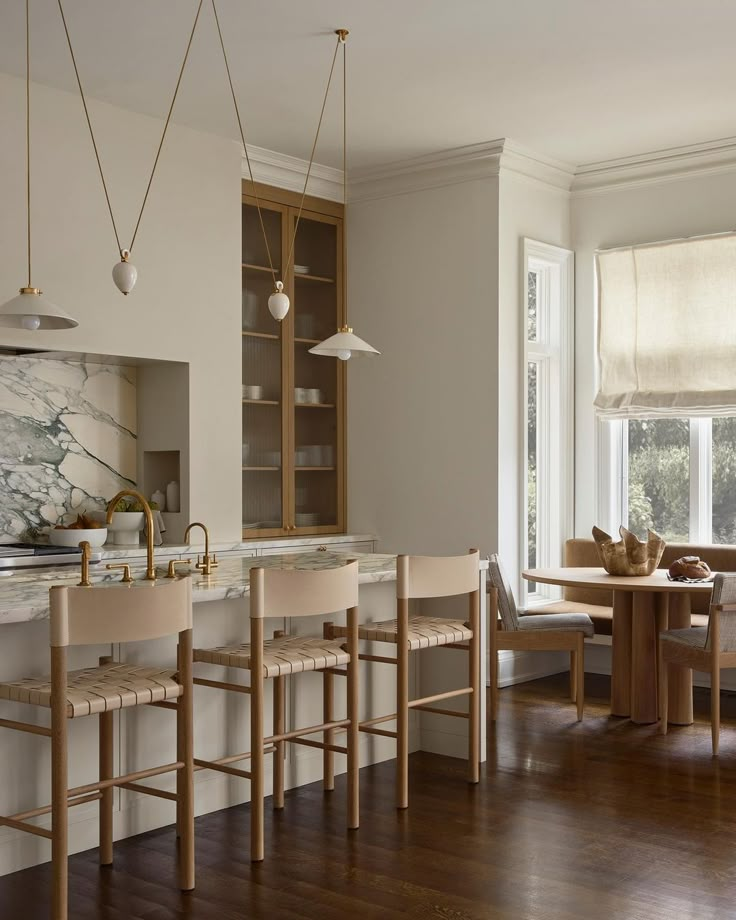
86	553
208	562
150	567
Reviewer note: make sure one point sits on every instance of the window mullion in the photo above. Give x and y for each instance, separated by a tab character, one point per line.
701	462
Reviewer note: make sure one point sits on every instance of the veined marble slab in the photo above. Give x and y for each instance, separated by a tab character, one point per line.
67	440
25	596
244	546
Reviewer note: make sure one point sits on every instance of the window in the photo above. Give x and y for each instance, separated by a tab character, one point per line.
547	407
677	476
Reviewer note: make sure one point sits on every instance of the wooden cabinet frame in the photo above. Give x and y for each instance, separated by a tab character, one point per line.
286	204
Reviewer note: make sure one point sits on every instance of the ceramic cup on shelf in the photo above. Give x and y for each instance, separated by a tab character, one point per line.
314	395
252	392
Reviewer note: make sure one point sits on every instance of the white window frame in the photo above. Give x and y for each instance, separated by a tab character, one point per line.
613	493
553	353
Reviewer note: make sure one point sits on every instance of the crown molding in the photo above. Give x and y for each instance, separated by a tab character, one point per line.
655	168
283	171
460	164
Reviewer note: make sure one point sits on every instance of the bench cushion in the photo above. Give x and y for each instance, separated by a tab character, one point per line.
568	622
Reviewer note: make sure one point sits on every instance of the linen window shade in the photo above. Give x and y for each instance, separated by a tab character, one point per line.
667	329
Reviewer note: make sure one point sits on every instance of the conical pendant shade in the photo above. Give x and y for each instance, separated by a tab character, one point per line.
31	310
343	344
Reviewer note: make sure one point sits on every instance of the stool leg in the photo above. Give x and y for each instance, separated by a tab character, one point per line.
185	744
179	757
402	705
328	715
106	772
256	741
106	733
474	682
279	726
354	727
59	786
573	676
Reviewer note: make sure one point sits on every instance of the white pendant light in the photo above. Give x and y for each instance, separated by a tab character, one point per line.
29	309
124	273
344	344
278	302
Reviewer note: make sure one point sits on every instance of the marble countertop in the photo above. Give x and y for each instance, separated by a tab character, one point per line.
24	596
216	546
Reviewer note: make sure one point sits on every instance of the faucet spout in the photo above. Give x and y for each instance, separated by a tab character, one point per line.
208	563
150	567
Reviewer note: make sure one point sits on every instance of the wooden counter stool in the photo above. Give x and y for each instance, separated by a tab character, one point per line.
424	577
290	593
94	616
703	648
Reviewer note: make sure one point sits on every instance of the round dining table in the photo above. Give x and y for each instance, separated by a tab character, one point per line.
643	606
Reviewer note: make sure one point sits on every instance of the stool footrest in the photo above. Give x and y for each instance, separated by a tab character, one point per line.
448	695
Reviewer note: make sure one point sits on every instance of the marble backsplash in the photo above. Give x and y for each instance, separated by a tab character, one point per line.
67	440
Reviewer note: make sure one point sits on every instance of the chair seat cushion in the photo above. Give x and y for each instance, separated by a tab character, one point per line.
694	636
91	691
424	632
281	657
601	616
570	622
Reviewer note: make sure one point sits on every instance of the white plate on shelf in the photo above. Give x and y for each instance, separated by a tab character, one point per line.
301	269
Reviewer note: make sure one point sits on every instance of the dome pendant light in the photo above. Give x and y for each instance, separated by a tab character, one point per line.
124	273
344	344
278	302
29	309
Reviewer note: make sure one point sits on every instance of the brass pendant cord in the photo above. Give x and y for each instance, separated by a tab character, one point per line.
92	133
342	35
28	133
290	255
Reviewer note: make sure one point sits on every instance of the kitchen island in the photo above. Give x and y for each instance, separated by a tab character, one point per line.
147	735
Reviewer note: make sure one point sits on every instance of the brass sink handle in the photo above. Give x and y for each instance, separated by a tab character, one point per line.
150	567
86	553
207	562
127	578
171	573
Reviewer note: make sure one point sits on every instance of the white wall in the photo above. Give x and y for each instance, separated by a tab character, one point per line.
611	217
422	423
435	424
186	305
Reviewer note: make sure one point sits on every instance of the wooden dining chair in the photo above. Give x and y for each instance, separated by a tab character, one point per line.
703	648
564	632
290	593
105	615
424	577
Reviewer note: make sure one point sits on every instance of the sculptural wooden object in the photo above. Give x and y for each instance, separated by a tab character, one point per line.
630	556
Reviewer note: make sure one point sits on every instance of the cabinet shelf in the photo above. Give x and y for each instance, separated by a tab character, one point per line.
314	469
271	336
261	402
260	469
314	405
302	341
258	268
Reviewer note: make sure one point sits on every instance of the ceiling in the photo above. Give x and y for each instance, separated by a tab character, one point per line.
577	80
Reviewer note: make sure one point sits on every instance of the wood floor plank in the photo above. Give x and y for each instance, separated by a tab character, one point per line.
572	821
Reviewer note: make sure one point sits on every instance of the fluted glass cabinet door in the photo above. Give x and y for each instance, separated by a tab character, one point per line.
317	433
263	457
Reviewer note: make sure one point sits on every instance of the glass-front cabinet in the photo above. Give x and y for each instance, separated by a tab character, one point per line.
293	402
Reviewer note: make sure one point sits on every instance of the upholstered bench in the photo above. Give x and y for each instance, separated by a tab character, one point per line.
598	604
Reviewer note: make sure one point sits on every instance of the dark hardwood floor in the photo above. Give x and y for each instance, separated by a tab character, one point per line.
571	821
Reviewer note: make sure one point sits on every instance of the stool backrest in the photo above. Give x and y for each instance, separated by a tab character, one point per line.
302	592
506	602
437	576
724	592
100	615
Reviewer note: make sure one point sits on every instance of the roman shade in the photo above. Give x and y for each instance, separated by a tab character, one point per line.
667	329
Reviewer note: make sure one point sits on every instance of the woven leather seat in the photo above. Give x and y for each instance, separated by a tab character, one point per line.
281	657
91	691
424	632
693	636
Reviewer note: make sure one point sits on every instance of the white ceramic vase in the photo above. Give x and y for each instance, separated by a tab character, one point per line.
172	497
